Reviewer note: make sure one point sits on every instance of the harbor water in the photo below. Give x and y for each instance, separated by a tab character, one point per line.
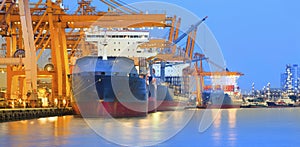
231	127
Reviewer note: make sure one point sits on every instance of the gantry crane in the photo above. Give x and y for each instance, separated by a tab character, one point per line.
175	39
28	38
176	54
50	23
199	73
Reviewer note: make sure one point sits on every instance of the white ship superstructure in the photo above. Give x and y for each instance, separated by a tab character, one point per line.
171	70
119	43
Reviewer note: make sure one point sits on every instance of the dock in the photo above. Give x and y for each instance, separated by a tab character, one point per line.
31	113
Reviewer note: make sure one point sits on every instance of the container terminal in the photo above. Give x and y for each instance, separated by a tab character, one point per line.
45	50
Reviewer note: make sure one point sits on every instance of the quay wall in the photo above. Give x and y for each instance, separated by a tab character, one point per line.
31	113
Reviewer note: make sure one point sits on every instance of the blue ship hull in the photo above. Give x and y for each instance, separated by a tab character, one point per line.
109	87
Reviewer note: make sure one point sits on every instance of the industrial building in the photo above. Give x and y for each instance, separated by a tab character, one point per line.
290	79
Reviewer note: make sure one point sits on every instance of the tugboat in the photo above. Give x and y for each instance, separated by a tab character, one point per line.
284	101
254	103
110	87
281	103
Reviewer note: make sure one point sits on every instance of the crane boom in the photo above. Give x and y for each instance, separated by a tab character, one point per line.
133	8
129	7
121	6
192	28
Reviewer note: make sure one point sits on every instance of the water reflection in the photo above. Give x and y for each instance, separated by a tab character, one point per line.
224	127
232	117
143	131
26	132
217	121
232	127
232	134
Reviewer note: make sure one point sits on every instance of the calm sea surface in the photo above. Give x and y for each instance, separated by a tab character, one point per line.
231	127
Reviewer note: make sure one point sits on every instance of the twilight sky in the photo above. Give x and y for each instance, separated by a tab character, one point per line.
257	37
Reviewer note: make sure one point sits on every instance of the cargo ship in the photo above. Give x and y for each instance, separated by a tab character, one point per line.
110	87
169	86
106	82
166	101
219	100
223	94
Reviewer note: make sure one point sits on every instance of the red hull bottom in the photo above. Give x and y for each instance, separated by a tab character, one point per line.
154	105
111	109
169	105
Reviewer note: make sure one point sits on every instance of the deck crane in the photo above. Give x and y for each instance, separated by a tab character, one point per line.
191	29
50	24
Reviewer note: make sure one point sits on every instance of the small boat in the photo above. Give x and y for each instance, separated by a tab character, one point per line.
280	103
284	101
254	103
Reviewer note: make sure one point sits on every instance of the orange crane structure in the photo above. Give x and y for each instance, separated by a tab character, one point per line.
31	28
51	28
199	73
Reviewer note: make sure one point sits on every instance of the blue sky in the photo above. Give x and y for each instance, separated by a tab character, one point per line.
257	37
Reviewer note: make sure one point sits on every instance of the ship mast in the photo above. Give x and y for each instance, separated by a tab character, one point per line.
104	43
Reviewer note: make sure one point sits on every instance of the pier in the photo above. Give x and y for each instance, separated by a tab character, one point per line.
31	113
